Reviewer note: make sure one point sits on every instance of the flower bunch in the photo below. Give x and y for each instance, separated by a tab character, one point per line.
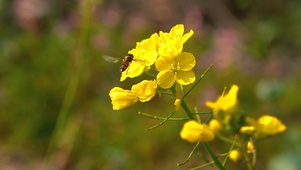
163	52
162	56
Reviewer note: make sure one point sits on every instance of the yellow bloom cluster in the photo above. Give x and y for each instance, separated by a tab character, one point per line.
143	91
164	50
227	120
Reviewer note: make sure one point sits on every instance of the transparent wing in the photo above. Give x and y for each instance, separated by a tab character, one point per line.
111	59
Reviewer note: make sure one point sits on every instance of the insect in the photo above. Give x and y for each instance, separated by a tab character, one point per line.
125	61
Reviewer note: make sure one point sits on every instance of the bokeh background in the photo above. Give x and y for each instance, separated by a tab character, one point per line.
51	65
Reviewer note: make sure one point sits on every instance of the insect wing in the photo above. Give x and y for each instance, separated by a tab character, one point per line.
111	59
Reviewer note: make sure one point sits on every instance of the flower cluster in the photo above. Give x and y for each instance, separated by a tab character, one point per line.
226	120
143	91
163	52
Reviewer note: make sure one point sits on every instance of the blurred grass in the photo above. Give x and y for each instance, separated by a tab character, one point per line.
256	45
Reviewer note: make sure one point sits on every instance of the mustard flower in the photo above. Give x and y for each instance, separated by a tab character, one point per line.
265	125
225	102
271	125
145	55
247	129
235	155
215	125
193	131
175	68
178	100
122	98
145	90
171	44
250	147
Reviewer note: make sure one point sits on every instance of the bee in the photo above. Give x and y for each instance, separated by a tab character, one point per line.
125	61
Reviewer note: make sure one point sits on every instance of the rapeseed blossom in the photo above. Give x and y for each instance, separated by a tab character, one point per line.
235	155
193	132
175	68
145	55
171	44
122	98
265	125
225	102
215	125
145	90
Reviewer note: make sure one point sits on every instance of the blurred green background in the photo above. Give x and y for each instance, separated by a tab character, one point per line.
50	49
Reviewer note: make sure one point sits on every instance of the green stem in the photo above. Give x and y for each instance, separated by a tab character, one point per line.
189	156
161	123
187	110
202	113
213	156
195	84
202	166
247	157
162	118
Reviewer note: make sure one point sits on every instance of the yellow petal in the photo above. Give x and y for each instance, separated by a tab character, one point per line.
178	100
164	63
271	125
135	69
122	98
247	129
193	131
215	125
186	61
165	79
185	77
226	102
235	155
187	36
177	31
145	90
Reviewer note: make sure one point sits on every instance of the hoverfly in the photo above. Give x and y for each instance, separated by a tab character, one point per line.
125	61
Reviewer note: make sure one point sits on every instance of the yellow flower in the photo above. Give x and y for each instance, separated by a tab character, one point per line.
178	100
215	125
271	125
266	125
175	68
193	131
145	90
247	129
145	55
226	102
122	98
171	44
235	155
250	147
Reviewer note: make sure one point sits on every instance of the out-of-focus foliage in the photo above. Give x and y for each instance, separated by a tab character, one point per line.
255	44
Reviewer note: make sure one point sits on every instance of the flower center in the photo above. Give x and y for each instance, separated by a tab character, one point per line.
175	66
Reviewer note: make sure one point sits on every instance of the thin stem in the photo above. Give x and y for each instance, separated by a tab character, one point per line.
202	166
162	118
247	157
231	148
189	156
161	123
183	102
213	156
195	84
187	110
202	113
